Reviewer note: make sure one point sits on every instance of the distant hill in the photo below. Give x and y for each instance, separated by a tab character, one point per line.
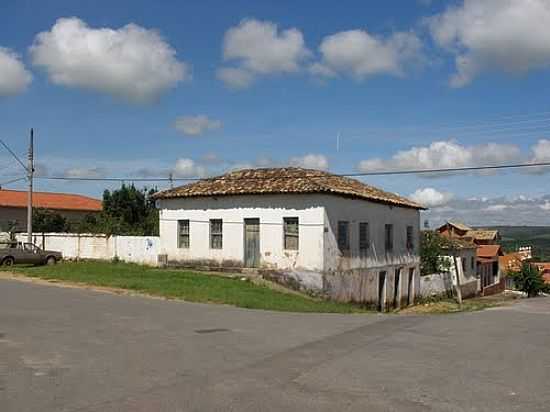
538	237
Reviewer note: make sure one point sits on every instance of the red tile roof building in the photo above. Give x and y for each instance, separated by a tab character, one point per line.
13	206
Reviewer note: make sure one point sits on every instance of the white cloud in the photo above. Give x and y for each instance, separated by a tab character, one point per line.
196	125
14	78
444	155
360	54
514	210
186	167
82	172
260	48
131	63
310	161
506	35
430	197
235	78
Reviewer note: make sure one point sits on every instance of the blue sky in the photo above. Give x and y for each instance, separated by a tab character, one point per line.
413	84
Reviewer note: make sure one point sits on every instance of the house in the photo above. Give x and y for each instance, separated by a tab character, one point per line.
329	234
461	231
491	279
462	259
13	207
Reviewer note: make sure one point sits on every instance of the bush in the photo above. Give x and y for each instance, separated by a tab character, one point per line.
432	258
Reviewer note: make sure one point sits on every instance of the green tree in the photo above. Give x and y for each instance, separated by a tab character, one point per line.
126	211
529	279
433	248
44	220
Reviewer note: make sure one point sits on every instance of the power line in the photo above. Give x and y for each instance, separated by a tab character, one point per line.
358	174
13	154
12	181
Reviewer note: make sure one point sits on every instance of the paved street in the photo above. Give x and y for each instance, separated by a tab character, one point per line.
64	349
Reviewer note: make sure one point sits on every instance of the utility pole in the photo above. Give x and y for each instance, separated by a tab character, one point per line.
30	172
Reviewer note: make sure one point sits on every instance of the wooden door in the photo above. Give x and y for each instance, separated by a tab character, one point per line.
252	243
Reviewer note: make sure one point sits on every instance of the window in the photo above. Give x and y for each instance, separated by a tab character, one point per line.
343	235
389	238
472	263
364	241
291	233
183	234
410	238
216	234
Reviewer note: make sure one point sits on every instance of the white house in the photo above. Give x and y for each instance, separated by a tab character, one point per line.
326	233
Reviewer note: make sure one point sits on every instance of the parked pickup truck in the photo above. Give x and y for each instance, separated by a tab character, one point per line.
19	252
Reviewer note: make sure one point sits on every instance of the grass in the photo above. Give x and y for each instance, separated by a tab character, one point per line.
186	285
468	305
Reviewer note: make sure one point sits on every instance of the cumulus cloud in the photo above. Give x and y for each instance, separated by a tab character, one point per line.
196	125
430	197
310	161
131	63
507	35
444	155
186	167
360	54
14	78
260	48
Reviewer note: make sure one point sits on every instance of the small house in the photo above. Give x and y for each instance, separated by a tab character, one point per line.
457	230
73	207
488	270
314	230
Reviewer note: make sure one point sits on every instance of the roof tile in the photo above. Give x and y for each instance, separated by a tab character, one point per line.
285	180
50	200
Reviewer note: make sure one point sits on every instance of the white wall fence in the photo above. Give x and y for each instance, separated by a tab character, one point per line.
135	249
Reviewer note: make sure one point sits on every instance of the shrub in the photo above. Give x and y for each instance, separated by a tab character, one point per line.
529	280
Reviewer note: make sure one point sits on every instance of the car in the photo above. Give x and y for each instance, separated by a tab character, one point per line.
20	252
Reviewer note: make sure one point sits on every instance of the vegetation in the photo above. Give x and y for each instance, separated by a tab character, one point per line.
538	237
126	211
44	220
529	280
432	253
186	285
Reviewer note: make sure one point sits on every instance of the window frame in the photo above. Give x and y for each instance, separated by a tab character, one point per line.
410	244
364	244
216	234
346	246
287	223
181	223
388	237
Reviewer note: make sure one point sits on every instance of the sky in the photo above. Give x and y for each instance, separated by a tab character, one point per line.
139	88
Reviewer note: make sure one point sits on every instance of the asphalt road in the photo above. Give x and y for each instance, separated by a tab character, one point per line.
65	349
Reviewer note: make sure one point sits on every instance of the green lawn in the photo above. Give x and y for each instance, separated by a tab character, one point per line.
186	285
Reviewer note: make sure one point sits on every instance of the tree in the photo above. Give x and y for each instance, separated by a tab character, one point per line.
433	249
529	279
44	220
126	211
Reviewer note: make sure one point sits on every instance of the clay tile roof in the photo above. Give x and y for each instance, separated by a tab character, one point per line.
483	234
511	261
285	180
455	243
489	251
460	226
50	200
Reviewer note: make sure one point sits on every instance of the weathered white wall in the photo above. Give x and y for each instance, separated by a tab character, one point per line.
270	209
377	215
136	249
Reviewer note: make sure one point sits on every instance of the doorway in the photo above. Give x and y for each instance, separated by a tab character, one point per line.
382	291
252	243
410	295
397	289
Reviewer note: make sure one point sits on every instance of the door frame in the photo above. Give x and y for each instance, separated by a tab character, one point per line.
257	258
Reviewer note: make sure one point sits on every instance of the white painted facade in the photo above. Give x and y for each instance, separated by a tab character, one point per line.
318	254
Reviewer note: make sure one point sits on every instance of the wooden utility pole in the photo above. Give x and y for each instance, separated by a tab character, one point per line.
30	172
458	289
